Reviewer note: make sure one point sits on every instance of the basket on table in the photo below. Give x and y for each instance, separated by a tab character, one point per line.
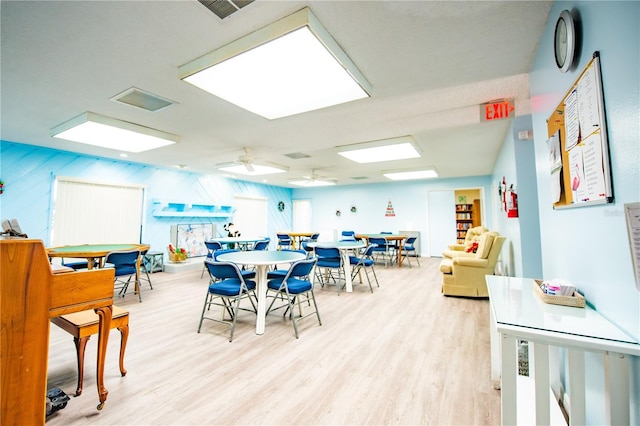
177	255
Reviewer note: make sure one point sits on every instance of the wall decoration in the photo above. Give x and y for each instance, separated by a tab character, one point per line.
280	206
390	212
338	213
354	209
1	186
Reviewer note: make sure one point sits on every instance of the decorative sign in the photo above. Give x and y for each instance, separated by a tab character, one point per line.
390	212
497	110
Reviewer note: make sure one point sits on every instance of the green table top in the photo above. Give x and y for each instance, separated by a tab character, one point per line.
89	250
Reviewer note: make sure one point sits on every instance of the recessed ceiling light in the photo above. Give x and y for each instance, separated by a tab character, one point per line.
416	174
107	132
286	68
254	170
310	183
383	150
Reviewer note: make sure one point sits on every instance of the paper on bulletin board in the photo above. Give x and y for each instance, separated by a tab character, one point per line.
555	165
571	120
632	213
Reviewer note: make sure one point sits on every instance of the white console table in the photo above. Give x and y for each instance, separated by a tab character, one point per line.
518	314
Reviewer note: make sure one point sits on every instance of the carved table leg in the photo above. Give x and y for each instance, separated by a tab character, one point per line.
81	344
124	335
104	313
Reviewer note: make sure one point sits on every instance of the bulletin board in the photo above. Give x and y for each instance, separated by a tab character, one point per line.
578	146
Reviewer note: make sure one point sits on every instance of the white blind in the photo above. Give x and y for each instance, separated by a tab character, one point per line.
302	216
87	212
250	217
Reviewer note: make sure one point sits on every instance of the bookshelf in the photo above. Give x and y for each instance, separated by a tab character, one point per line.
467	216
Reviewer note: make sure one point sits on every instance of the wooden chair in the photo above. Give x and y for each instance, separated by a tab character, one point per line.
82	325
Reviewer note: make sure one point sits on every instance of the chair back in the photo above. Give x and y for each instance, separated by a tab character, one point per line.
368	251
386	232
124	262
314	237
301	268
219	252
283	238
410	241
328	256
222	270
261	245
212	246
379	244
348	236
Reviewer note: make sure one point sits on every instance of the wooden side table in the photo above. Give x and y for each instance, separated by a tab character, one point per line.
82	325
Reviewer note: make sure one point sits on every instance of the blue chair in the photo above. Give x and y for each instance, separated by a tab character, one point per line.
330	260
284	241
261	245
348	236
381	249
409	248
125	264
279	273
306	241
227	288
144	267
364	262
247	274
296	287
212	246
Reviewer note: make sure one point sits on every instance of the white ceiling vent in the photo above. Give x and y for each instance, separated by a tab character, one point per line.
142	99
297	155
224	8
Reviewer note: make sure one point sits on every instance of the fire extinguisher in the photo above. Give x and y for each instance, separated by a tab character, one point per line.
512	202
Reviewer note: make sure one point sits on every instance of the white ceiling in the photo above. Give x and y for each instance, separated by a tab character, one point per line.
430	65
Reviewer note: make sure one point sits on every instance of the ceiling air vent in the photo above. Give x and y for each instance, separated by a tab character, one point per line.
143	100
297	155
224	8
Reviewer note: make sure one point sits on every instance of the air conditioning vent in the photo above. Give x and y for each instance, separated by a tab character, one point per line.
297	155
142	99
224	8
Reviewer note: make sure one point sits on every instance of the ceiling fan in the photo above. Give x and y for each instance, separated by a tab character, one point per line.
245	160
314	179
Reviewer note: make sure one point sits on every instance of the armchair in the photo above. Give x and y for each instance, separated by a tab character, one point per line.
473	235
464	274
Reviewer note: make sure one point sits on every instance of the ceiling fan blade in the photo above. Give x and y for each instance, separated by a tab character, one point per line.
248	166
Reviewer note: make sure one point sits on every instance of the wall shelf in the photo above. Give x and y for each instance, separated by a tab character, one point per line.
192	210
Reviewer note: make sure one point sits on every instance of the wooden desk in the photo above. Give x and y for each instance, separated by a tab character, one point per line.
298	236
389	237
31	294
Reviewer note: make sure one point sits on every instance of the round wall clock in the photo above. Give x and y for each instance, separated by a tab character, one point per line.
564	41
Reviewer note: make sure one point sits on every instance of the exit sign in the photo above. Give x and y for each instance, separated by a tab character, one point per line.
497	110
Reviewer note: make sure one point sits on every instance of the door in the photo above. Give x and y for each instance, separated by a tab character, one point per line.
441	221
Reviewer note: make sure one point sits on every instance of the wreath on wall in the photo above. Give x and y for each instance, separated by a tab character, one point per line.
354	209
338	213
281	206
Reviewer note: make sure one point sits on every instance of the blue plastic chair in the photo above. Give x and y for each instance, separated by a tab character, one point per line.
212	246
247	274
296	287
284	241
348	236
330	260
381	249
364	262
279	273
261	245
409	248
227	288
125	264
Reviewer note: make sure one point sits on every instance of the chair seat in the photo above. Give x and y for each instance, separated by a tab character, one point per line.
294	285
247	275
353	260
278	273
230	286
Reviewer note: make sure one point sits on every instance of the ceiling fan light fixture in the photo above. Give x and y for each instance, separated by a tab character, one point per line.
302	68
411	175
99	130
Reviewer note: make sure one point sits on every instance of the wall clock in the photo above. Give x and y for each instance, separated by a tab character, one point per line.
564	41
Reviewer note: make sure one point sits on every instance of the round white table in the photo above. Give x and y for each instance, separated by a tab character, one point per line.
345	247
261	259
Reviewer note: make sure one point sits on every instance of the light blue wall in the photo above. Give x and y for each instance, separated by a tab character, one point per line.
408	199
589	246
29	172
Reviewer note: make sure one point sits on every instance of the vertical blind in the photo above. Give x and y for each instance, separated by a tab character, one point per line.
250	217
86	212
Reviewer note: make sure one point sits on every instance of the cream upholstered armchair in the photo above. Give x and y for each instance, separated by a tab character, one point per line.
464	274
473	235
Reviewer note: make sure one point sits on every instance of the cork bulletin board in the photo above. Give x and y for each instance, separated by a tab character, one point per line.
578	146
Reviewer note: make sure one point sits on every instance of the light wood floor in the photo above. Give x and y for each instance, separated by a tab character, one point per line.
404	355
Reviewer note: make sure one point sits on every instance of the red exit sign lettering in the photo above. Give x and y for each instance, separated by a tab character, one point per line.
497	110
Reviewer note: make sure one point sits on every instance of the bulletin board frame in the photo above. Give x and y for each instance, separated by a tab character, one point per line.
578	144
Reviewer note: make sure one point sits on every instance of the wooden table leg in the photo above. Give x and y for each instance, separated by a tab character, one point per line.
81	344
124	335
104	313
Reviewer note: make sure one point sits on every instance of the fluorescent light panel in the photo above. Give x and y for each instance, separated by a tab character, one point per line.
99	130
417	174
310	183
384	150
289	67
257	170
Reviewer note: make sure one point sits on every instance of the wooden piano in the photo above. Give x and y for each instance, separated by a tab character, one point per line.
31	293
